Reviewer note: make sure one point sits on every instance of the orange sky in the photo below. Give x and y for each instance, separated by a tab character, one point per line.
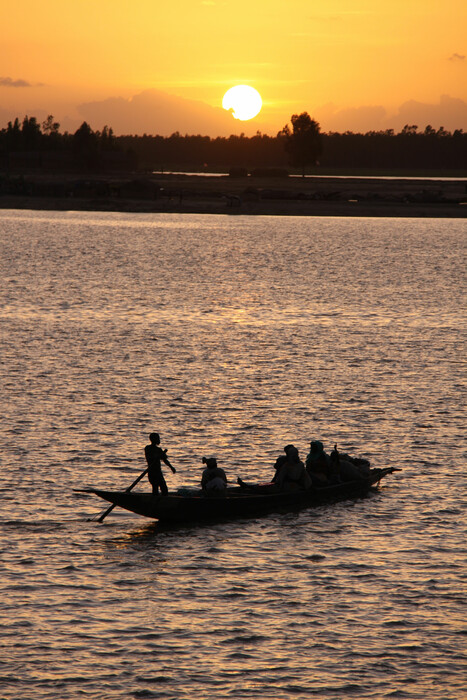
339	59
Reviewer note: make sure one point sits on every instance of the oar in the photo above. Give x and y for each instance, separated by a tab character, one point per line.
109	510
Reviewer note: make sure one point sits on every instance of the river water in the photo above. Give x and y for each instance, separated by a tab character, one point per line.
231	336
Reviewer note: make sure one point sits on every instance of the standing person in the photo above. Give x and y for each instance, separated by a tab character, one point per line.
154	454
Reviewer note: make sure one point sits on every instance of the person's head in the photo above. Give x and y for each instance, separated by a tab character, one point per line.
316	446
154	438
210	462
292	453
287	448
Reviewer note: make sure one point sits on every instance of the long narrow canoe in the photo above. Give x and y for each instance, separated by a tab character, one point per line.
238	502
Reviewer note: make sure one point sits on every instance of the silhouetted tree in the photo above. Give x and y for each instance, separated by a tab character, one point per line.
85	145
30	133
49	126
303	143
51	139
429	149
442	132
13	136
409	130
107	139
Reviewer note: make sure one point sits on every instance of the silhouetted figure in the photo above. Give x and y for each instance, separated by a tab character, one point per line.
335	466
349	468
214	479
154	454
292	474
317	464
280	461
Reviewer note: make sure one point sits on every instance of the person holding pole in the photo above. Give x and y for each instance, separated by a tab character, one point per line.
154	454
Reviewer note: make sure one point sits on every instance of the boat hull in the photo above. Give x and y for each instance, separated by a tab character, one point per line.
238	502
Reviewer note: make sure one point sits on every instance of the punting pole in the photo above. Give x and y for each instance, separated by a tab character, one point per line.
109	510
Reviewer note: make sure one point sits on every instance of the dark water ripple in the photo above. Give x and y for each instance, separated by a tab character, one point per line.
231	336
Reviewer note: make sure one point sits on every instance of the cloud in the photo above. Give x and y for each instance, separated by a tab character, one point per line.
450	112
155	112
456	57
9	82
356	119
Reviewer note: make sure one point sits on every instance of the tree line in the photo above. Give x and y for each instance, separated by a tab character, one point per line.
300	145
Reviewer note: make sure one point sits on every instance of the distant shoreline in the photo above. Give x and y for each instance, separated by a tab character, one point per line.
319	209
196	194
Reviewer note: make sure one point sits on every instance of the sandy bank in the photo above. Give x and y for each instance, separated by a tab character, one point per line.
316	196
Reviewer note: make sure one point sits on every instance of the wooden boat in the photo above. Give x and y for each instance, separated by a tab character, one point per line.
237	502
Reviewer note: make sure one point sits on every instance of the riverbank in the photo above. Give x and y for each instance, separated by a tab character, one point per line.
313	196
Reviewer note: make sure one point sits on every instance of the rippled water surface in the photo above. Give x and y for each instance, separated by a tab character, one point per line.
231	336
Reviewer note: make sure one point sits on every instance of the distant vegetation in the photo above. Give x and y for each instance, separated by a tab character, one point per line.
304	143
31	145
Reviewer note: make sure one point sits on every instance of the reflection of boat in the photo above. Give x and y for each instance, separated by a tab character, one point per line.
238	502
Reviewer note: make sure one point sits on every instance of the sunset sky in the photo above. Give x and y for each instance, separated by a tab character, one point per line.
356	64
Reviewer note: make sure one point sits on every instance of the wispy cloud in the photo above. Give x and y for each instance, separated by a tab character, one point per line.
456	57
19	83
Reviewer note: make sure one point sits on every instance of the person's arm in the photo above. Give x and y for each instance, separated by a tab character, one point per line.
166	461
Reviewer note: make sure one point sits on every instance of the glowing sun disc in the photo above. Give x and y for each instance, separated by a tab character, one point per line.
244	101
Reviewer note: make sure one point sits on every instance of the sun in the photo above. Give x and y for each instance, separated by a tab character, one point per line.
244	101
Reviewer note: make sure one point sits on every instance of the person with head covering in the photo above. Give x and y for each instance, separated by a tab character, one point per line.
213	479
292	474
154	454
317	464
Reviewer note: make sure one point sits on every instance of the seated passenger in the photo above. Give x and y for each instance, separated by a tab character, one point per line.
363	465
347	470
292	474
214	479
280	461
317	464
